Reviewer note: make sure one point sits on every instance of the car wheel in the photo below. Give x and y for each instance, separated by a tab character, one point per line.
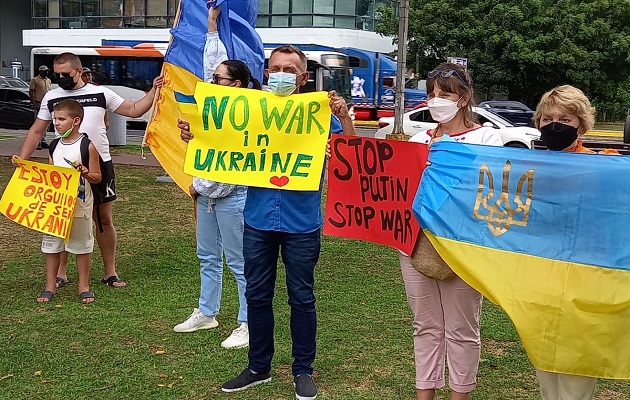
626	130
518	145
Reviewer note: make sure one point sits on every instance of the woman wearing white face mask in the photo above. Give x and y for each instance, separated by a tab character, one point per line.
446	310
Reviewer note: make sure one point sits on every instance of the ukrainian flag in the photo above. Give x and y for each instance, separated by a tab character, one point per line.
183	68
545	235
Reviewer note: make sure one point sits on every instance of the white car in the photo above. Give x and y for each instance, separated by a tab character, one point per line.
418	120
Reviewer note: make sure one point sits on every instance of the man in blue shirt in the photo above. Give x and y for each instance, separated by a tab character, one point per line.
286	222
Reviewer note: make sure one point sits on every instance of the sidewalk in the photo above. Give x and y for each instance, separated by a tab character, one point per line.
11	146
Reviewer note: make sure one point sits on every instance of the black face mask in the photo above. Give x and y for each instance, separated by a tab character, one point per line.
557	136
66	83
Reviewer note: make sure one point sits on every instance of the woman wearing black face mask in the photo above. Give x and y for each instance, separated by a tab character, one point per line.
563	114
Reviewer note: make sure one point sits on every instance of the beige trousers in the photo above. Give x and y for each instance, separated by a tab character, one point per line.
555	386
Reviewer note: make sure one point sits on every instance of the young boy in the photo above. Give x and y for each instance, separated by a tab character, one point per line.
73	149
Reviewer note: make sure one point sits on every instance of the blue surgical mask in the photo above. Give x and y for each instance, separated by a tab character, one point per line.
282	83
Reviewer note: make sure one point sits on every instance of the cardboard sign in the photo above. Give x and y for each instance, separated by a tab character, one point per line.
371	187
255	138
42	197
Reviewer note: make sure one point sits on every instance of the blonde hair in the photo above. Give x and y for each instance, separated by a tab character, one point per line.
572	101
459	81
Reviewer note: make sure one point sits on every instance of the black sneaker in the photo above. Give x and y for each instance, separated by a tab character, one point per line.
44	145
305	388
246	379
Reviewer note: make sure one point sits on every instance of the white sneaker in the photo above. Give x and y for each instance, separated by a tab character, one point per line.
239	338
196	321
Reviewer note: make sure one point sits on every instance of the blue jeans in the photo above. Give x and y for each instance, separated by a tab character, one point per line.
300	252
220	230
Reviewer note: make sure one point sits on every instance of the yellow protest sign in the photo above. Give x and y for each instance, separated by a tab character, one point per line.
255	138
41	197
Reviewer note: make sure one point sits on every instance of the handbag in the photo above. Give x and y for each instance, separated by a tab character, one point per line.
426	260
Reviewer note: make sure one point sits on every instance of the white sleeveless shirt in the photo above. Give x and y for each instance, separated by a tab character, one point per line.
72	152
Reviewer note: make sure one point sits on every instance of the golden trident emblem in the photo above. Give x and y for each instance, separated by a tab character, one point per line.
501	215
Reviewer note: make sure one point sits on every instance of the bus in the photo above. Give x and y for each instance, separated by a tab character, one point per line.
130	70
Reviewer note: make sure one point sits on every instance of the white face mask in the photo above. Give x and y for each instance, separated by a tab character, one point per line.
442	110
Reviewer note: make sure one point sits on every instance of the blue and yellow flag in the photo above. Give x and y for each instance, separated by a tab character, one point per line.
183	68
544	235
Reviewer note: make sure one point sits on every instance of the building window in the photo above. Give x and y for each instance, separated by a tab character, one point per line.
325	7
280	6
346	7
103	13
302	21
262	22
263	7
302	6
345	22
280	21
321	21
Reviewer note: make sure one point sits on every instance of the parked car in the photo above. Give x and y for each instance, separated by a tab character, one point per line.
7	81
418	120
16	110
514	111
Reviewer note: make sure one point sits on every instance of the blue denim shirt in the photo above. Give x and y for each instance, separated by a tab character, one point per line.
286	210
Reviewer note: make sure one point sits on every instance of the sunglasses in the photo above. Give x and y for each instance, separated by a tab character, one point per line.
64	75
446	73
216	78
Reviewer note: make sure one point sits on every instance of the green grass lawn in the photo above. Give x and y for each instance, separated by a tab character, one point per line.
134	149
123	346
609	126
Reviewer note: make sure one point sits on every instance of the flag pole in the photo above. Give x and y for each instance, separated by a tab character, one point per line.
399	104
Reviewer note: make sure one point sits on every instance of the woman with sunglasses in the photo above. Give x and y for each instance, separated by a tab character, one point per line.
446	312
219	208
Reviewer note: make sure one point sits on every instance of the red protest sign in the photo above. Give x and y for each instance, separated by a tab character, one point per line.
371	187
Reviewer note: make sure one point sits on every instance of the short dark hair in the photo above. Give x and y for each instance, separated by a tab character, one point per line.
290	49
68	58
72	107
239	71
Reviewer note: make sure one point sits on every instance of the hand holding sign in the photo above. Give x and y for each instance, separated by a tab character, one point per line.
41	197
255	138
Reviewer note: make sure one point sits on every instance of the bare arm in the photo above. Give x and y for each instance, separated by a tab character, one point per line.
33	136
213	15
138	108
31	94
93	175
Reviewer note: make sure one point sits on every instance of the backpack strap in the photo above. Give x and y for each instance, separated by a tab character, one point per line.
52	146
85	151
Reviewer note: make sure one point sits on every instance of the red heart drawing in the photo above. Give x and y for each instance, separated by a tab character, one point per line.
279	180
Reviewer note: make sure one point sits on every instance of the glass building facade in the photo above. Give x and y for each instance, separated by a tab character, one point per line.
351	14
103	13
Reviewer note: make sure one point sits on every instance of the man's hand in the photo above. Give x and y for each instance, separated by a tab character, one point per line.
14	160
184	128
338	105
158	82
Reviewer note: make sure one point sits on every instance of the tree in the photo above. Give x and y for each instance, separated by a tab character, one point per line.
525	46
